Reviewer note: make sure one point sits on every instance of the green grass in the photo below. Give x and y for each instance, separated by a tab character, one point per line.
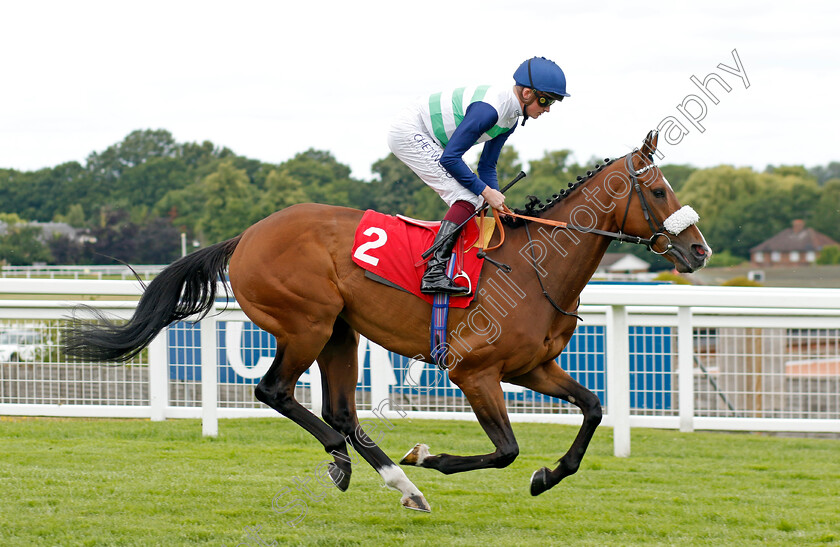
135	482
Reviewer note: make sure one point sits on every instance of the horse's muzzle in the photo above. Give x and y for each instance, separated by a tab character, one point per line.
691	259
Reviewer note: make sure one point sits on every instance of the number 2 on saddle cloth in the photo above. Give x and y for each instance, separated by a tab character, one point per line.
389	249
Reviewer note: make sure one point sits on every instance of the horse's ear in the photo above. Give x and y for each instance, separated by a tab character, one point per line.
649	147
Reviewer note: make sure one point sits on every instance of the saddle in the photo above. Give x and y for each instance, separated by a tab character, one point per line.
389	249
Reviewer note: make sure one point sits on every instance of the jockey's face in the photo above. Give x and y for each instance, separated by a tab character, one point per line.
533	110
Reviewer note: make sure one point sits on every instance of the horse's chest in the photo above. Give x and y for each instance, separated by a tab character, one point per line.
558	337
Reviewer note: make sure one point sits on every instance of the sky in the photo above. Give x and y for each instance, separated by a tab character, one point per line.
272	79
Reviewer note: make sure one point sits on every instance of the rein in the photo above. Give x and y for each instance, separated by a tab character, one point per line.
656	228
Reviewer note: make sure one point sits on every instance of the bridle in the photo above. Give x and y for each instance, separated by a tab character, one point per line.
657	228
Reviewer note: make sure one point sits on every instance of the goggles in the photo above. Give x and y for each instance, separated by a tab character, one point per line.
545	100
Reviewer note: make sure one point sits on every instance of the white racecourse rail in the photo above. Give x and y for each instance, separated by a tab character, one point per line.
720	358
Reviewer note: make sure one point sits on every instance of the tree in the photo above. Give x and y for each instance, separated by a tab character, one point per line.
147	182
324	179
546	176
75	216
104	170
552	165
672	277
21	245
182	207
740	208
823	174
708	191
724	259
195	155
741	281
65	250
118	237
157	242
825	216
113	238
508	165
10	218
40	195
230	203
282	190
676	174
829	254
399	190
785	170
137	148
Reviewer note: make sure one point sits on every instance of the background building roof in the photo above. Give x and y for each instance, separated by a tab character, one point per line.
795	238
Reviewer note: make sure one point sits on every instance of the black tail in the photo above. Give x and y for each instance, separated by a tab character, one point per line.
184	288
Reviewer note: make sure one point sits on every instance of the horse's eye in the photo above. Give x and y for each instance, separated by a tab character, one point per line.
659	193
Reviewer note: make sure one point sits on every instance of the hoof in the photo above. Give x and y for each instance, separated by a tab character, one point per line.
416	455
416	502
539	481
339	477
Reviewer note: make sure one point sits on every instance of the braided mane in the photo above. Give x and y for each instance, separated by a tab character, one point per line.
535	207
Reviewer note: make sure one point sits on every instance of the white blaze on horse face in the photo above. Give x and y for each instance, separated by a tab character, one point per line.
680	220
667	183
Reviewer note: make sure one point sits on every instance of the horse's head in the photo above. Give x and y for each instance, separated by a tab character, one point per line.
647	207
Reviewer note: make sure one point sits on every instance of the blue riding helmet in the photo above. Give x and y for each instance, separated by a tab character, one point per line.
540	74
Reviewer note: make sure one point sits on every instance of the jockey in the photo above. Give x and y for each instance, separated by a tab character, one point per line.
432	135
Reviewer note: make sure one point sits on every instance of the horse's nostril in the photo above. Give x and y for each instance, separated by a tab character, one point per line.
699	250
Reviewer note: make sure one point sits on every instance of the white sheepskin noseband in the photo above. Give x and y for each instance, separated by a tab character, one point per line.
681	220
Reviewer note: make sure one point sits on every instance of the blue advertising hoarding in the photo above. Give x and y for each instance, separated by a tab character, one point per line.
245	353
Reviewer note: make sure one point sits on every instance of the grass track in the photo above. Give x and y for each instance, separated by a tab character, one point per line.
135	482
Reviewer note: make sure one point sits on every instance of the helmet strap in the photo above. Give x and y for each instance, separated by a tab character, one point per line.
525	104
530	80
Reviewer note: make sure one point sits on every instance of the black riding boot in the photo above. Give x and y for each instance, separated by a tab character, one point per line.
435	280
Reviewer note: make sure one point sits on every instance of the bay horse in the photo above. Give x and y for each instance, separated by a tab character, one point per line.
293	275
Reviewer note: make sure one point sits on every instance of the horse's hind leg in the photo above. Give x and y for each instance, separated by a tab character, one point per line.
338	362
550	379
484	394
277	390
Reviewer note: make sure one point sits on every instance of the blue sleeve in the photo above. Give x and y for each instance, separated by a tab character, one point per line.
478	118
489	158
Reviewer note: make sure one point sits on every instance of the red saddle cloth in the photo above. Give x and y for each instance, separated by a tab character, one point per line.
390	247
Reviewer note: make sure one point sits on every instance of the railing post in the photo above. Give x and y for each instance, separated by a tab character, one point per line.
380	374
316	394
618	378
158	377
209	377
685	368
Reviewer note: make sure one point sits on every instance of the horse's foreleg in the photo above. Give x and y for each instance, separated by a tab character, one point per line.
550	379
339	368
487	401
